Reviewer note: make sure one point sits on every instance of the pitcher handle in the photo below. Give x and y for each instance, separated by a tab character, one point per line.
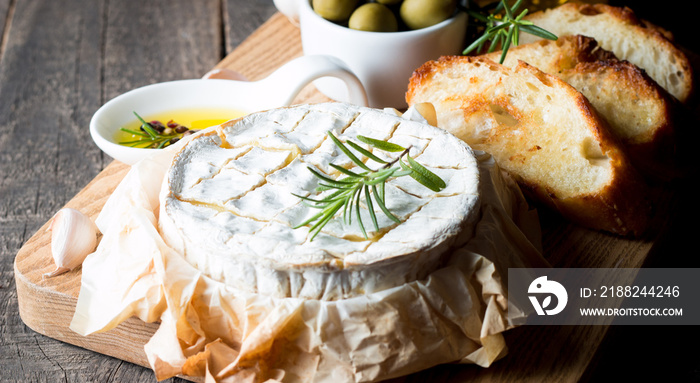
284	84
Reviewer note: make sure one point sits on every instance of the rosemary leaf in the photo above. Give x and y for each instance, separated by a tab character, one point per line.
327	215
522	15
365	152
134	132
382	177
329	198
538	31
508	10
506	44
346	171
425	177
359	213
350	202
325	178
370	208
316	228
478	16
348	153
403	172
326	186
381	145
147	127
135	142
381	192
496	42
309	220
382	206
477	44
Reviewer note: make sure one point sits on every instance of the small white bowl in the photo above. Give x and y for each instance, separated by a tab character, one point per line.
383	61
276	90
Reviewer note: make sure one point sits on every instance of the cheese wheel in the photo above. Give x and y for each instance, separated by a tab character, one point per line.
228	204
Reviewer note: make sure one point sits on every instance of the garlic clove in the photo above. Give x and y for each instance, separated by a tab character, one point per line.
58	271
73	237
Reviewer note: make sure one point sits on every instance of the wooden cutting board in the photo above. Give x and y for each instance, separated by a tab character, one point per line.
47	305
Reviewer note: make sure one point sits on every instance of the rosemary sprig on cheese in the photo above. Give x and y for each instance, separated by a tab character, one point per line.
503	29
347	191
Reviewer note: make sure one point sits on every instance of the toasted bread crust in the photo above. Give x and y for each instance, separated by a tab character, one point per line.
488	106
619	30
639	112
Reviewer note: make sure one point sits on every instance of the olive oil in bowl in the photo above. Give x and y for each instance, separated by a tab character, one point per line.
171	126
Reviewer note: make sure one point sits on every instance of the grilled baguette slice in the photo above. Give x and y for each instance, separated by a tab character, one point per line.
619	30
639	112
543	132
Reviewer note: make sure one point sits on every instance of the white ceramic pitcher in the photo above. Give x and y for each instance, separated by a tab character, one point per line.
277	90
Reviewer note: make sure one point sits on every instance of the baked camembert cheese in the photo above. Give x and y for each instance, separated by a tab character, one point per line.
228	204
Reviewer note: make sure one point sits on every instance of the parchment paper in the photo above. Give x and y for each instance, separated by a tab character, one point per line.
456	315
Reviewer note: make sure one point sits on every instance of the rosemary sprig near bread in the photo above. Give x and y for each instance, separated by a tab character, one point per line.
503	29
347	191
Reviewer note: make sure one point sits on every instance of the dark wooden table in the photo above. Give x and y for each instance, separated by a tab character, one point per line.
61	60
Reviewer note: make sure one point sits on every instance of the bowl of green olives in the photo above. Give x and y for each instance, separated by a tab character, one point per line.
385	15
381	41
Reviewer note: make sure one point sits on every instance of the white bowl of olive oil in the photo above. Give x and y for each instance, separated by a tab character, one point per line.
200	103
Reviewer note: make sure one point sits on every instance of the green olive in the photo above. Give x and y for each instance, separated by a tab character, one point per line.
388	2
417	14
373	17
334	10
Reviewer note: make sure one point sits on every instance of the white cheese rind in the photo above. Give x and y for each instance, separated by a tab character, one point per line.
228	206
